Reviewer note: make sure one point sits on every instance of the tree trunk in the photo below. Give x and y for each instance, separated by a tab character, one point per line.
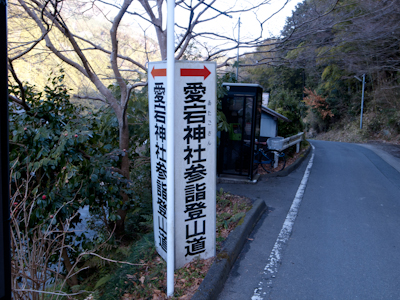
68	266
124	145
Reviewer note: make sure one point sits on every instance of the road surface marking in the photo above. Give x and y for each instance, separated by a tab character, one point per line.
271	269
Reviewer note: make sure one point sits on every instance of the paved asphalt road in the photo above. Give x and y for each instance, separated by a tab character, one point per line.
345	241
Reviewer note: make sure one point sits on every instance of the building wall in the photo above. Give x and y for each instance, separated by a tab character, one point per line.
268	126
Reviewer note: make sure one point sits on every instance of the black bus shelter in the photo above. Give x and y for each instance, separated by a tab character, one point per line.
242	108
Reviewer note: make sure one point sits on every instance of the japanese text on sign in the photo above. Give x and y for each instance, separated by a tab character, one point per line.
195	188
161	169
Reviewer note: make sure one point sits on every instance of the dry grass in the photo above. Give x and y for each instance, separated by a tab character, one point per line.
349	131
149	282
187	280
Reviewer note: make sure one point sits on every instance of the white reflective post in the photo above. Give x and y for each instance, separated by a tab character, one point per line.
362	101
362	98
170	148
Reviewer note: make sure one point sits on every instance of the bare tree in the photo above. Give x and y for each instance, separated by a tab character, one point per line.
51	31
361	36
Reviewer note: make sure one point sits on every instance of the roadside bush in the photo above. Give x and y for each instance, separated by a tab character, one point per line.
284	101
63	158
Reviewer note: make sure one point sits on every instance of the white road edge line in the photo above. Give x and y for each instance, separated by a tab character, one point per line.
275	257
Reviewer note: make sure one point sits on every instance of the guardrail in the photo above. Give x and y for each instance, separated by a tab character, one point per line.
293	140
288	142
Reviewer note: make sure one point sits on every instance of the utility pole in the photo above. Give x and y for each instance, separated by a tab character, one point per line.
237	58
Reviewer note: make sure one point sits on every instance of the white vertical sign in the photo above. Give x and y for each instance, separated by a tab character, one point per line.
195	158
158	146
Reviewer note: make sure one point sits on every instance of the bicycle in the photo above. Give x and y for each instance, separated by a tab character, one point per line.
266	158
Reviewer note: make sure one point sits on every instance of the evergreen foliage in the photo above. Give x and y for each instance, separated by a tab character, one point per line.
322	47
62	153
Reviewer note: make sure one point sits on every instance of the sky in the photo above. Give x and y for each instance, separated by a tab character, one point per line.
223	25
249	21
277	11
276	23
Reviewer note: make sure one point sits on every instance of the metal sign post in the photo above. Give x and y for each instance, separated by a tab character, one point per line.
170	147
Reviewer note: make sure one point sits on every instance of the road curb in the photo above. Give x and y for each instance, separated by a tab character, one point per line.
215	279
286	171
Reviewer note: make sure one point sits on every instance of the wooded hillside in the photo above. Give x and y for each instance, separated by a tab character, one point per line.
322	47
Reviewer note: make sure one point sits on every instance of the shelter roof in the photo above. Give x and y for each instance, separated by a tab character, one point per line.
274	114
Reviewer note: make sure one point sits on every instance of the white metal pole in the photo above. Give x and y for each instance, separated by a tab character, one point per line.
362	101
170	147
237	59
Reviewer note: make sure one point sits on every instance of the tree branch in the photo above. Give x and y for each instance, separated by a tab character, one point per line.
114	52
109	52
90	98
34	43
22	101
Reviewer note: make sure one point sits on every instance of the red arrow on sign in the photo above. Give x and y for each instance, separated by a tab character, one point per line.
158	72
196	72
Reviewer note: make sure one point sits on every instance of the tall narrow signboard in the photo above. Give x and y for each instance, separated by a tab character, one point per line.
157	86
195	158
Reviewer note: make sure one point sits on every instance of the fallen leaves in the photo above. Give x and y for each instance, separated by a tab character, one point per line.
149	282
159	295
